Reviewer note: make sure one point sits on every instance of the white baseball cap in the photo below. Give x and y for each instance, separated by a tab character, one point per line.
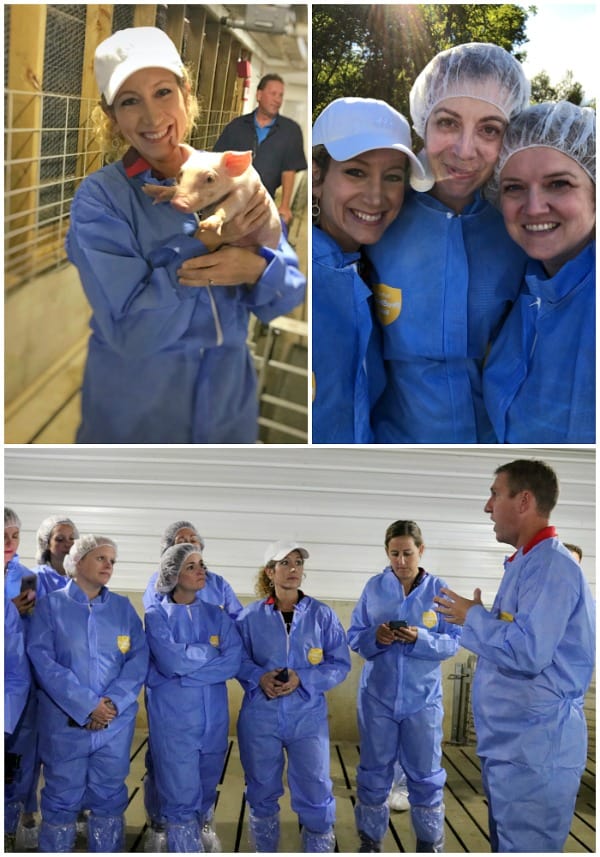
128	51
279	550
349	126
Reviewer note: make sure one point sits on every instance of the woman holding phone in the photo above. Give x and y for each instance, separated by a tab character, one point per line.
403	641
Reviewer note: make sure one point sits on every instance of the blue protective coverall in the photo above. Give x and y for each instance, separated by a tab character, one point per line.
48	579
348	373
194	649
536	657
400	703
82	651
166	363
17	682
444	283
317	650
17	676
539	382
23	740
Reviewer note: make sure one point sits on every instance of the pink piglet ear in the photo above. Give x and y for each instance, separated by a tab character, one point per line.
237	162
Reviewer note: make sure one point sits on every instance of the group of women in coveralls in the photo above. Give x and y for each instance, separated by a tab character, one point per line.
83	649
450	317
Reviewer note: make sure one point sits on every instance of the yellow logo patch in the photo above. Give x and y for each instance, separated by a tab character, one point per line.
388	303
214	641
315	656
429	619
507	617
124	643
314	386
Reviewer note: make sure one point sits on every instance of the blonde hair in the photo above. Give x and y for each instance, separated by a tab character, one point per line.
264	585
111	142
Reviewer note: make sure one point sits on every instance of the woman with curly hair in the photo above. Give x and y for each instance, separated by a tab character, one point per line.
167	359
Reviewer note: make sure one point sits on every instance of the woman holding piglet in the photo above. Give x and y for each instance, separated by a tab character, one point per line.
169	321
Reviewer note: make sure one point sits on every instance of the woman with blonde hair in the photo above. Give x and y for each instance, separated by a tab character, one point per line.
167	358
295	649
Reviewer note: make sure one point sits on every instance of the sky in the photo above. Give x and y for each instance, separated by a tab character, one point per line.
564	36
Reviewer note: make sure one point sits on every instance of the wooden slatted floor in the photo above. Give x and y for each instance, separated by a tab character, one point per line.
466	809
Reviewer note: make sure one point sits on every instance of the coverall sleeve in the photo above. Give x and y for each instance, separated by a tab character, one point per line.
335	665
526	643
231	603
203	662
281	286
249	673
135	300
361	634
59	682
436	645
124	689
17	676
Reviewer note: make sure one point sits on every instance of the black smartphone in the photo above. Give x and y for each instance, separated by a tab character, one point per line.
28	581
396	624
282	675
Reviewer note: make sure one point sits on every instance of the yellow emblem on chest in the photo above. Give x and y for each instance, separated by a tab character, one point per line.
124	643
388	303
315	656
429	619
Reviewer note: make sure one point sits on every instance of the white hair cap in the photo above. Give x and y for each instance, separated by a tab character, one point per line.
11	519
170	534
45	531
474	70
171	563
83	546
556	125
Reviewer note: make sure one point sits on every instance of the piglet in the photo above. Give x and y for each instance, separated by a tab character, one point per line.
219	185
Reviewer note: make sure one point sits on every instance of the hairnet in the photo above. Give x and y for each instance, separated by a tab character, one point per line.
11	519
45	531
170	565
168	539
556	125
81	547
475	70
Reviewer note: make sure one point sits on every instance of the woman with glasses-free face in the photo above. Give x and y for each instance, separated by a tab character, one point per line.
446	270
545	184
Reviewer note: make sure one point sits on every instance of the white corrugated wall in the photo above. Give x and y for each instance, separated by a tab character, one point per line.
338	502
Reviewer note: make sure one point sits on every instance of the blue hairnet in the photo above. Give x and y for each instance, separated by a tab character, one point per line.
45	531
170	565
168	539
81	547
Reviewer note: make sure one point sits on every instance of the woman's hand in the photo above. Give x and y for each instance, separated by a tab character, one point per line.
24	602
273	688
256	215
103	714
385	636
228	266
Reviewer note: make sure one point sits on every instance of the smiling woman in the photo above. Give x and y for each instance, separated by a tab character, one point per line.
361	154
546	182
167	359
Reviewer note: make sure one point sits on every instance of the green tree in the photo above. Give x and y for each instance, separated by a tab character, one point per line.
567	89
378	50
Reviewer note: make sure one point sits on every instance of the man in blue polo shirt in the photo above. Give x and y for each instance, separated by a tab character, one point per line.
275	141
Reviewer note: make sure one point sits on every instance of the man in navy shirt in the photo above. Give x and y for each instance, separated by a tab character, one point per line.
275	141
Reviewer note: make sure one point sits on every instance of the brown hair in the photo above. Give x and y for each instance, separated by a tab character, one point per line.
404	528
533	475
264	585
